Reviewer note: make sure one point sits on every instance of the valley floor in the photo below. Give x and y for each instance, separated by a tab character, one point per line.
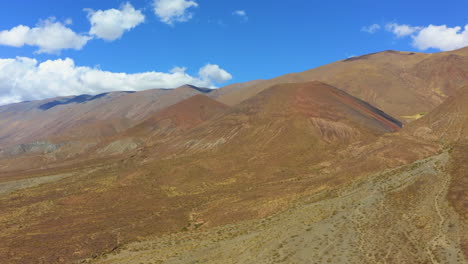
397	216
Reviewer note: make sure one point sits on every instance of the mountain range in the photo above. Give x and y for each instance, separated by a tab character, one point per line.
359	161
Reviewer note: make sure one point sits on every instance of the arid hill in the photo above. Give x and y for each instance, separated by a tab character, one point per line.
162	125
38	133
249	162
293	171
181	116
403	84
85	116
415	213
316	110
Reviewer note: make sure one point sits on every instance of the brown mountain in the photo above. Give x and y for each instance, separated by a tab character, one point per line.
248	162
295	173
403	84
183	115
84	116
313	109
174	119
53	132
346	199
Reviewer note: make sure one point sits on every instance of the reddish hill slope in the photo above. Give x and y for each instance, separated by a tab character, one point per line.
402	84
181	116
174	119
314	109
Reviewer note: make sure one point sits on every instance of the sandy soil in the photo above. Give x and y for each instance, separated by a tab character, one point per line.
398	216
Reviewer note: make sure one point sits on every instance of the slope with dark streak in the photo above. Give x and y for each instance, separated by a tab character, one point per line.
402	84
324	112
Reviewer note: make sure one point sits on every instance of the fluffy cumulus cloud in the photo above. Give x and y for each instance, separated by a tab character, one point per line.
371	29
112	23
171	11
401	30
27	79
242	14
441	37
50	36
214	73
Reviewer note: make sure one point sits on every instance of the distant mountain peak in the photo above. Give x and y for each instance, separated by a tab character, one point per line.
79	99
200	89
84	98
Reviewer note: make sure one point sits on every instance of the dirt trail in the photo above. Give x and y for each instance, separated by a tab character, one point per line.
440	241
397	216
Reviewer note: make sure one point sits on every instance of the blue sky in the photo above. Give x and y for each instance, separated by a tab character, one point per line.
245	40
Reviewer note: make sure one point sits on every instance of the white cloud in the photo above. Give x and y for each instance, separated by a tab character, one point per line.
49	36
371	29
112	23
26	79
170	11
438	37
178	69
242	14
441	37
9	99
213	73
401	30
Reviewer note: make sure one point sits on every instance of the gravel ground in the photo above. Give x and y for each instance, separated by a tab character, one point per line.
397	216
